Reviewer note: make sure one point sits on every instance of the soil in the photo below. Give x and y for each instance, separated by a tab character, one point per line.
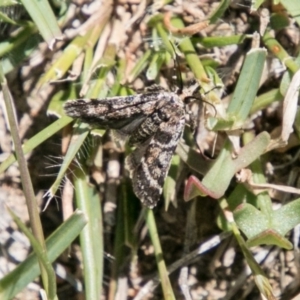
220	272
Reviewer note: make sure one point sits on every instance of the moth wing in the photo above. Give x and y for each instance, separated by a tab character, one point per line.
150	162
123	113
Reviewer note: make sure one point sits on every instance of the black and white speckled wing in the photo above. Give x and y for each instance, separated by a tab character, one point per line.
154	122
149	163
121	113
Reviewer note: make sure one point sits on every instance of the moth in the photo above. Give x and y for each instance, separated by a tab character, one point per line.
153	121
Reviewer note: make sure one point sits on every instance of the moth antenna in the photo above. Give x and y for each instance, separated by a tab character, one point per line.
200	99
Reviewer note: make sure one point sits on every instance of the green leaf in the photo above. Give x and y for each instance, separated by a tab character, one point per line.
247	86
224	168
258	228
268	229
190	156
279	21
293	8
270	237
265	99
287	217
250	220
169	190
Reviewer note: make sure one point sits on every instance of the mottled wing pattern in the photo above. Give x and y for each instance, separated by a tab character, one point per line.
154	121
121	113
149	164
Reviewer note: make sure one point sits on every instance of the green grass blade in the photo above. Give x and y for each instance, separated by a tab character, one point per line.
273	45
247	86
162	269
91	238
42	15
218	13
31	201
264	100
140	66
41	254
38	139
259	275
28	270
219	41
80	134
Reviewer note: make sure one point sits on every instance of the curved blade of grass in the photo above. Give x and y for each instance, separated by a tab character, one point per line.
259	275
218	13
63	63
244	93
41	254
6	19
80	134
37	140
190	156
91	238
162	269
219	176
31	202
42	15
28	270
273	45
74	49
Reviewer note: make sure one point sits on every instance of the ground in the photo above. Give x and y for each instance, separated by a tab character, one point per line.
221	271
